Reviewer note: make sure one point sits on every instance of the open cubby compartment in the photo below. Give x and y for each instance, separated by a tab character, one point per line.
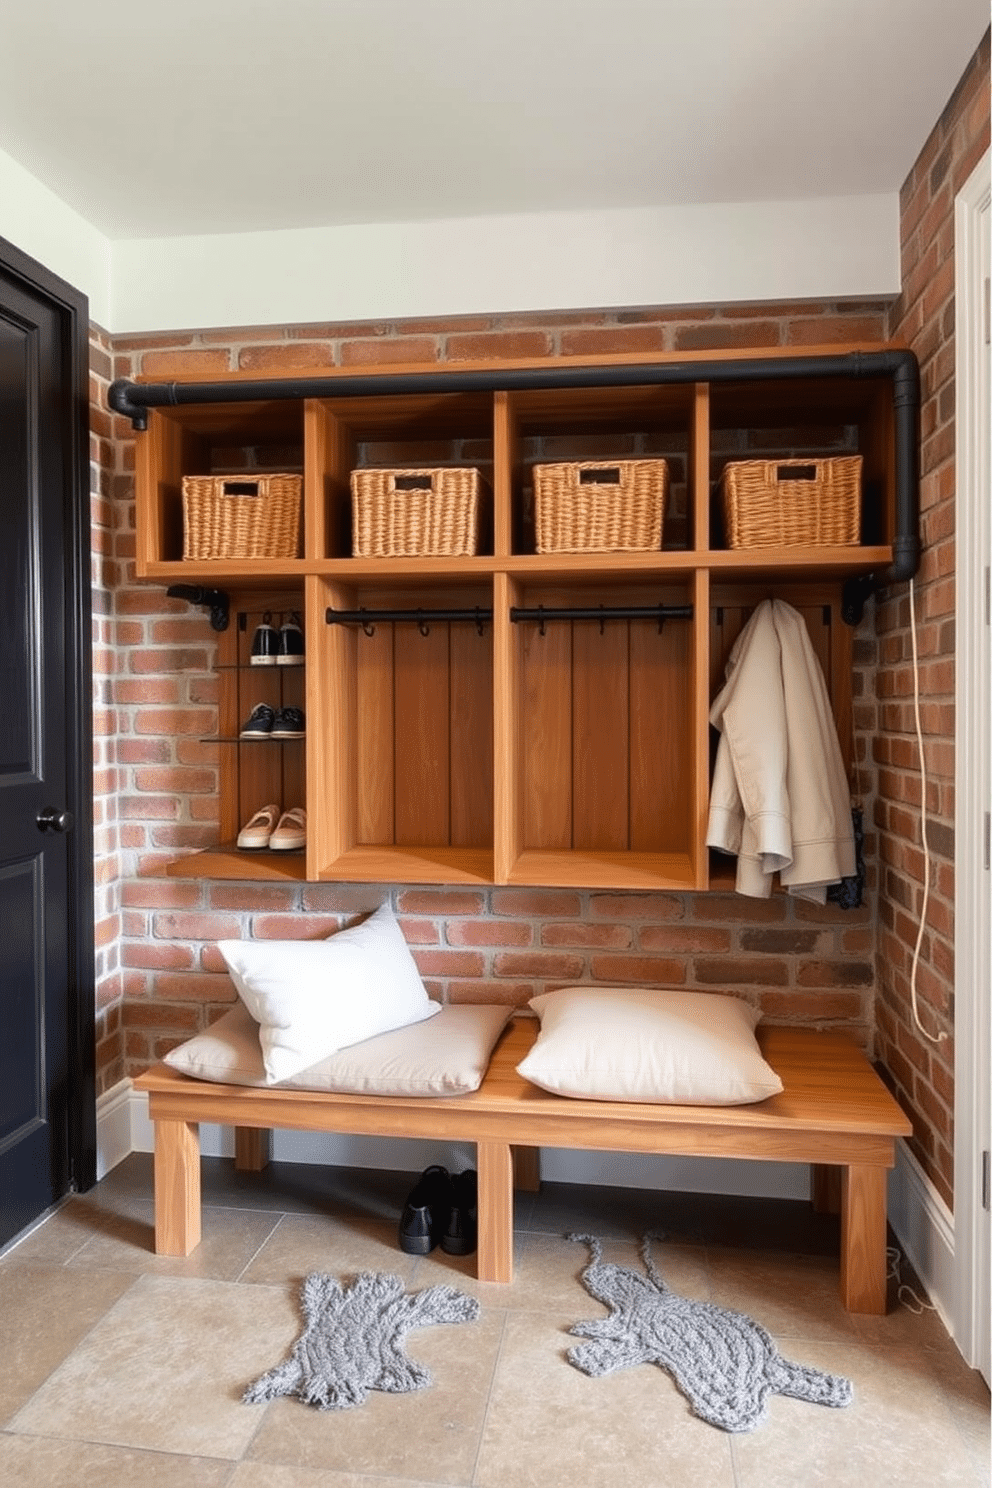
257	772
602	740
401	746
249	439
556	425
731	606
809	417
415	431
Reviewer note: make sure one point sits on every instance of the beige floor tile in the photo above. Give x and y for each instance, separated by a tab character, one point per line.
304	1243
43	1462
165	1369
44	1313
427	1435
270	1475
230	1239
967	1397
897	1433
550	1426
793	1296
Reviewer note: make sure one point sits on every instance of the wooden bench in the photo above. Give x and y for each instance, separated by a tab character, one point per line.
834	1113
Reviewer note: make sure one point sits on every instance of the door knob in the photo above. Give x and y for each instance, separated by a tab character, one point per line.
51	819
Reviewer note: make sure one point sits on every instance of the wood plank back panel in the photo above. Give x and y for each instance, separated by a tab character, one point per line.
471	750
600	735
660	735
423	742
375	731
546	689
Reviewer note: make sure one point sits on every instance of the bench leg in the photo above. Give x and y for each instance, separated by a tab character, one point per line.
177	1187
495	1168
825	1188
862	1239
252	1148
527	1169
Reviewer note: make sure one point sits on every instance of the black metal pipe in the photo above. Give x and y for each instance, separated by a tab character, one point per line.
134	399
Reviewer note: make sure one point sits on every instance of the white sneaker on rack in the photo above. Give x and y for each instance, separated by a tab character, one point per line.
291	831
257	833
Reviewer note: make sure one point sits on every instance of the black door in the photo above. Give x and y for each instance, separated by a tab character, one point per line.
47	1128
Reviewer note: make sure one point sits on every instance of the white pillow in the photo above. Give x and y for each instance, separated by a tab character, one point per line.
313	997
642	1044
446	1056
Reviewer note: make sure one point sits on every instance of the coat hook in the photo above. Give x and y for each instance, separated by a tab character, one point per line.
602	621
479	622
422	625
367	626
540	623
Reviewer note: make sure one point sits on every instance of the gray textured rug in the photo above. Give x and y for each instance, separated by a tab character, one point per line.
724	1363
353	1341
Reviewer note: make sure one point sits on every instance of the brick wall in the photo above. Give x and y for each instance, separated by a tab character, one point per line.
797	962
923	318
105	512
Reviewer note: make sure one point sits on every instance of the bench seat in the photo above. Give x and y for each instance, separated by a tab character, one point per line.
833	1113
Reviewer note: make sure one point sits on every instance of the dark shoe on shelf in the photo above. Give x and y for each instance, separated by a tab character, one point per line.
289	723
265	643
258	724
291	646
425	1214
461	1232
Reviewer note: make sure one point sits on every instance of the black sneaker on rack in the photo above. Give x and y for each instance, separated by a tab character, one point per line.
289	723
291	646
265	643
258	724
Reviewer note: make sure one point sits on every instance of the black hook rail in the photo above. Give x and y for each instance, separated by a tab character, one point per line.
423	618
660	612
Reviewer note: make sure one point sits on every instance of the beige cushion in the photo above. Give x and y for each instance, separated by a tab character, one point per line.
446	1055
648	1044
313	997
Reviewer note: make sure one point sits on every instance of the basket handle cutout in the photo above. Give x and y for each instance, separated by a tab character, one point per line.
413	483
240	488
796	472
600	477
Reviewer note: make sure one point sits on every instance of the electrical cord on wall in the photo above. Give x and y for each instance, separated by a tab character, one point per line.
934	1038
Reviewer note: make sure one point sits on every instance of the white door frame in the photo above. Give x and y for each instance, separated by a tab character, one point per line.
973	790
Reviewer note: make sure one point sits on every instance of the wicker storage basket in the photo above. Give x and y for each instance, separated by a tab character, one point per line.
415	513
600	506
792	503
241	516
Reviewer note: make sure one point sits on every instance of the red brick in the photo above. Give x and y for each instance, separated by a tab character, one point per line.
582	936
488	346
441	902
632	907
373	353
540	965
166	364
649	971
682	941
536	903
180	925
488	933
294	927
284	358
444	963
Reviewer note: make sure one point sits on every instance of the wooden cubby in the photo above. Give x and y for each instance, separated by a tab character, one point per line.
575	752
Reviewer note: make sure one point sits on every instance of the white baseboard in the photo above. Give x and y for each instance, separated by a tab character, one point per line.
612	1169
924	1227
114	1126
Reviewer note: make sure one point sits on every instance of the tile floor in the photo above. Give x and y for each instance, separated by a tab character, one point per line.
122	1368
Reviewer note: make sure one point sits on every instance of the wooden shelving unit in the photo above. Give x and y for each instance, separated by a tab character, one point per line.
576	753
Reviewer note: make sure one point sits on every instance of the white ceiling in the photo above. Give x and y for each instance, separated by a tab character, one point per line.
212	116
